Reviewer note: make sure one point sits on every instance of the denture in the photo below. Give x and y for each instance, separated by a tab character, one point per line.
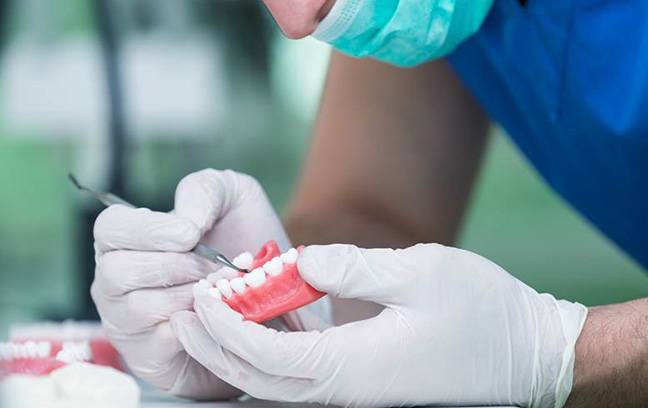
40	357
271	288
38	349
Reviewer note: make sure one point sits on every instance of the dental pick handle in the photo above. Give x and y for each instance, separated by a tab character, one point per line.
201	250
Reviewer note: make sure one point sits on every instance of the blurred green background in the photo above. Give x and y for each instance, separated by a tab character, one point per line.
212	84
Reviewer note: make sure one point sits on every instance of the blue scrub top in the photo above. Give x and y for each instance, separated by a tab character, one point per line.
568	80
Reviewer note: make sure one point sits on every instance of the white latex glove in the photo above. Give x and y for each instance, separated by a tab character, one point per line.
144	272
457	330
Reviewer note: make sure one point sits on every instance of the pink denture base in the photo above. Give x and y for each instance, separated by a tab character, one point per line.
278	294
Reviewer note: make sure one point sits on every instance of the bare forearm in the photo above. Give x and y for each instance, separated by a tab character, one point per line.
347	226
392	160
393	157
612	358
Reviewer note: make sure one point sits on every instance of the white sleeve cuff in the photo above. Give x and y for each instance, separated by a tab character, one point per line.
573	320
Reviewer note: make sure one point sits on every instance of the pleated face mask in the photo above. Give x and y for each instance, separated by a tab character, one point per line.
401	32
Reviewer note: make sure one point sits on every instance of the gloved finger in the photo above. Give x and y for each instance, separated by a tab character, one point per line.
205	196
306	318
120	272
227	203
164	362
292	354
121	227
229	367
140	310
162	347
382	276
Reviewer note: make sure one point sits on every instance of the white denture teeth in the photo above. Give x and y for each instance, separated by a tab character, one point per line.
29	349
223	273
238	284
12	351
244	260
224	287
201	288
4	352
214	292
273	267
255	278
290	257
20	350
8	351
43	349
74	352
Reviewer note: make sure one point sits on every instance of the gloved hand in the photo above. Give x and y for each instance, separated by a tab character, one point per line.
457	330
144	272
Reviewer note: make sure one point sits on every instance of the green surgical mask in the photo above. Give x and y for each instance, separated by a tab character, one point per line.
401	32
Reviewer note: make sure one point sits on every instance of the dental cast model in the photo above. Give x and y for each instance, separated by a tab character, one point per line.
78	385
271	288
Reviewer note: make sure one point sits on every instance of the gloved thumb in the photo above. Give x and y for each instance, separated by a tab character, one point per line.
346	271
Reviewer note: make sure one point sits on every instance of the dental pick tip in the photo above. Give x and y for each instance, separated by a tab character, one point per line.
75	181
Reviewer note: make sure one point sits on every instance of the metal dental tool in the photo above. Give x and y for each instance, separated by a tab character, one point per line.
201	250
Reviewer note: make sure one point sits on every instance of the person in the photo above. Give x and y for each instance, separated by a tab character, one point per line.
427	323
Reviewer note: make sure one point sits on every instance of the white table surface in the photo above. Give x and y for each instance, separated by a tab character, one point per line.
249	404
154	399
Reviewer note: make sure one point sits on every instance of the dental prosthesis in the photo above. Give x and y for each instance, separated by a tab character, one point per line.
63	365
271	288
61	339
40	357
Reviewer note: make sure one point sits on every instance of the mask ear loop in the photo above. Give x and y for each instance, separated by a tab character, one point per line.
337	21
